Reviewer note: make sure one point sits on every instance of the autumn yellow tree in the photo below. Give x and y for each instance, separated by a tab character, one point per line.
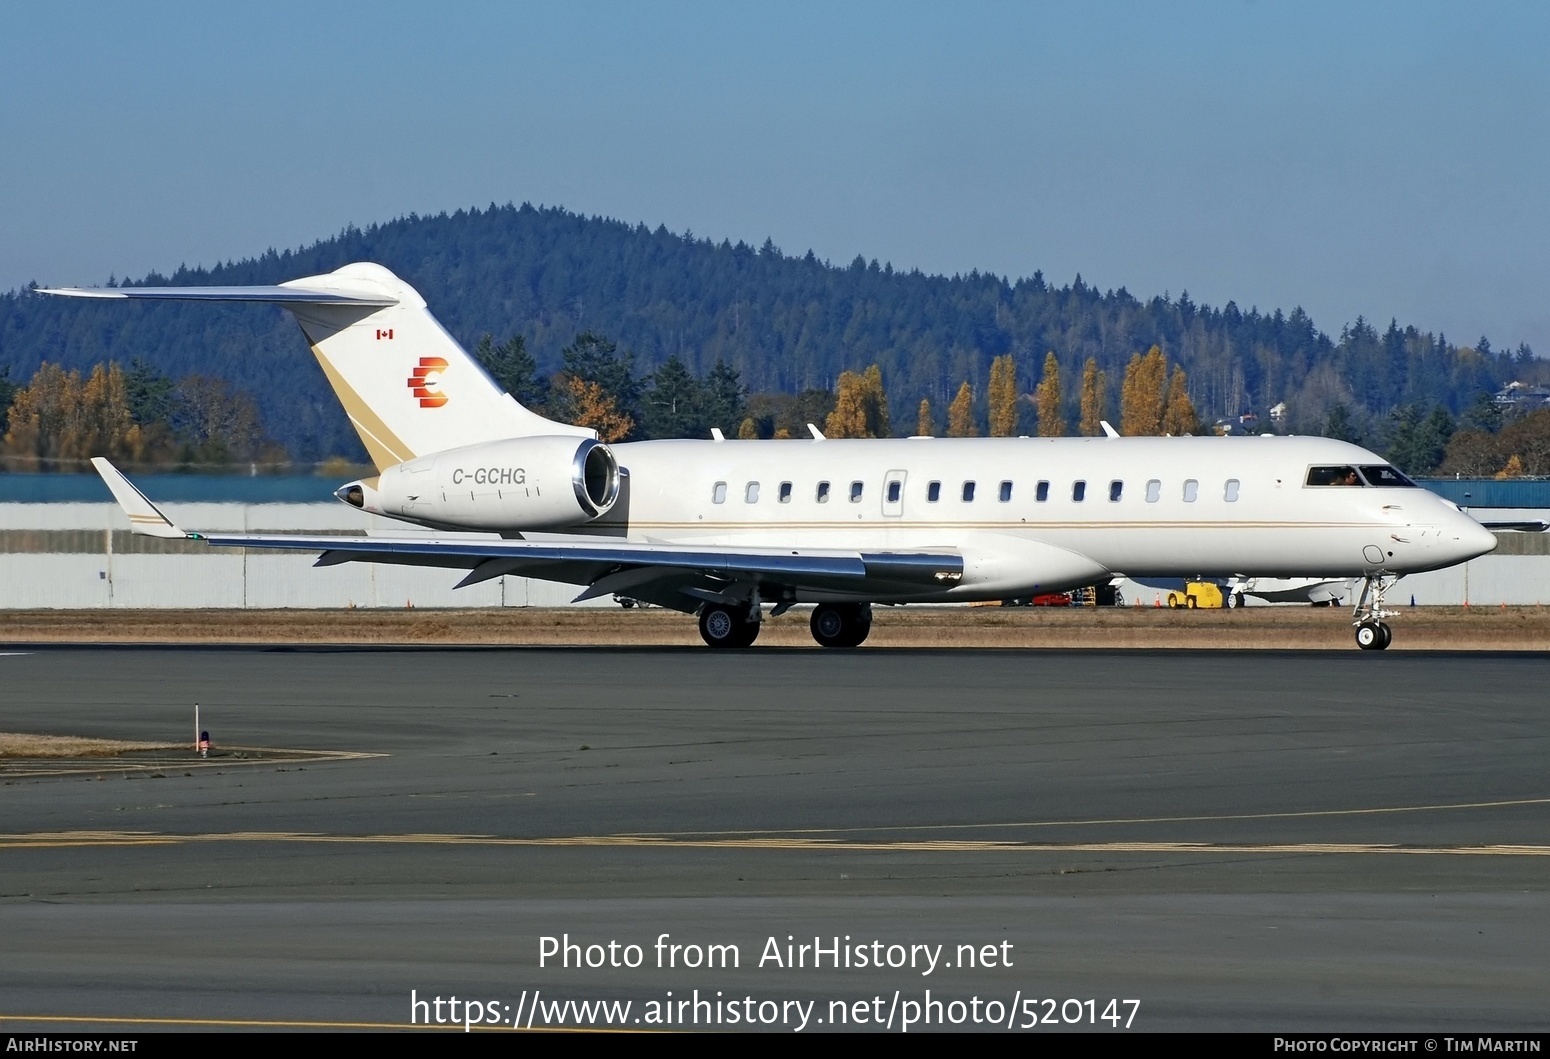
748	431
960	414
925	425
58	416
1001	396
860	407
1179	413
587	404
1513	469
1142	396
1047	396
1095	390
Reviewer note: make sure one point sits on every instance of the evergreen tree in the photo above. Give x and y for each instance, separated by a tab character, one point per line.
1340	426
152	396
513	369
960	414
1095	390
594	358
726	401
1483	414
7	395
1050	401
675	404
1001	395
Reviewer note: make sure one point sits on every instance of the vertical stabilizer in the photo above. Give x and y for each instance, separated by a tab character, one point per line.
407	386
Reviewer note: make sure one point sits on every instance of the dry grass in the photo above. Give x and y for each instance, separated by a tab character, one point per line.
25	745
1420	628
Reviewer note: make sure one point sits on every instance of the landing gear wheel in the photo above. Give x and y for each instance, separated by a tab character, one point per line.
841	624
1369	636
727	627
1387	635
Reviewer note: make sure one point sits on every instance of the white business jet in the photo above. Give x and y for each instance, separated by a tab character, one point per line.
738	532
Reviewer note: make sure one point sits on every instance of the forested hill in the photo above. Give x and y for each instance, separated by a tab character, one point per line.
786	322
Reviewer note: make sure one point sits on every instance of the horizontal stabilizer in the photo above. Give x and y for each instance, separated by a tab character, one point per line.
278	295
144	517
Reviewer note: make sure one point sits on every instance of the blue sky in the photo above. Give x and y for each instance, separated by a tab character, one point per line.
1388	160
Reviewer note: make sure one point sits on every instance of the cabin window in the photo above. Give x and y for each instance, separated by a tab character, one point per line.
1006	492
823	492
718	495
933	492
785	492
894	488
751	493
855	492
1115	489
1153	491
1191	490
1230	494
1041	492
968	492
1078	491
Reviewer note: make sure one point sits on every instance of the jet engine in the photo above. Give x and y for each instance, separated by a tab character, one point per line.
538	483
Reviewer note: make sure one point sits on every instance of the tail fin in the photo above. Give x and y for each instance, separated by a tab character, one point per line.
407	386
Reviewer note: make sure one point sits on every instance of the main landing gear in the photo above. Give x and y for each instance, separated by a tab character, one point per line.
737	625
841	624
724	626
1372	632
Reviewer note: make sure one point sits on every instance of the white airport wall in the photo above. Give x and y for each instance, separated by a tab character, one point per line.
191	575
65	556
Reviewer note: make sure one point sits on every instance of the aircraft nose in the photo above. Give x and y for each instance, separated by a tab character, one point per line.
1473	539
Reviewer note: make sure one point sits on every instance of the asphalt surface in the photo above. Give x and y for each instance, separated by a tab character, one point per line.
1239	841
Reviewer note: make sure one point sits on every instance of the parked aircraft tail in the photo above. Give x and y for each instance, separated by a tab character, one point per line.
407	386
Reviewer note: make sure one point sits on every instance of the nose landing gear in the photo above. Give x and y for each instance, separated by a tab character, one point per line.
1372	633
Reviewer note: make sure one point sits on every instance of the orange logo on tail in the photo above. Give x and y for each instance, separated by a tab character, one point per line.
426	382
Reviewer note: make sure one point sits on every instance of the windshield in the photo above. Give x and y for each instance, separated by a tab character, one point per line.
1379	475
1385	475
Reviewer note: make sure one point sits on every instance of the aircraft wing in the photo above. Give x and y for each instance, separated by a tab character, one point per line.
675	575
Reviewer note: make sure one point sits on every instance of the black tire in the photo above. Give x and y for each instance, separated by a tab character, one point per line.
1369	636
1234	600
841	624
722	626
1386	636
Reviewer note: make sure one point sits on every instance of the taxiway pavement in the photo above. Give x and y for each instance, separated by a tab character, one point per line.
1267	840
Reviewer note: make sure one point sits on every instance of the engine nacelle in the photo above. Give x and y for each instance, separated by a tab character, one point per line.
538	483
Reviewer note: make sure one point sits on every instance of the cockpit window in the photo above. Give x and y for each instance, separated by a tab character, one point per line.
1334	476
1384	476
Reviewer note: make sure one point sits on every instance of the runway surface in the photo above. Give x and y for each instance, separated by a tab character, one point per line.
1274	841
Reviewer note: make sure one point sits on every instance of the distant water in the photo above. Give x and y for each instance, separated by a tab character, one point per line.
172	488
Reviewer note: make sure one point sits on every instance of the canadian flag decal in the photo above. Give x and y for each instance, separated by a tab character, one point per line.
425	381
384	332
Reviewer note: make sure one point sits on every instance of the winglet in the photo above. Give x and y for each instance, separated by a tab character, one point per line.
817	434
144	517
1108	431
